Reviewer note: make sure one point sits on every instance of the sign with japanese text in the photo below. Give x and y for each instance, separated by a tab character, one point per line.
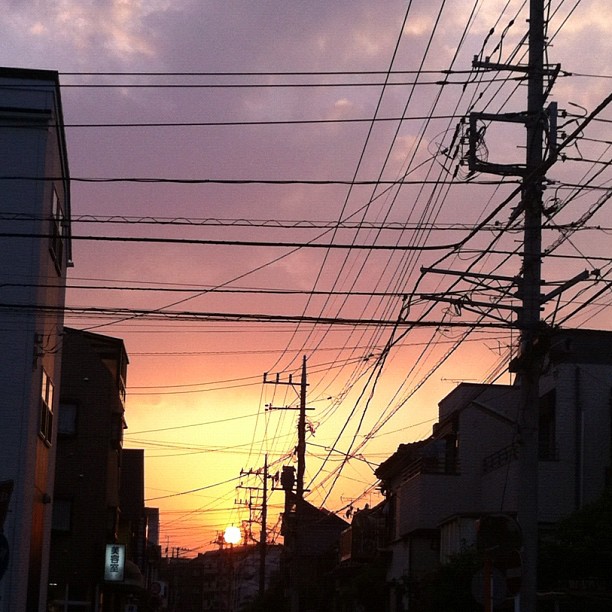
114	562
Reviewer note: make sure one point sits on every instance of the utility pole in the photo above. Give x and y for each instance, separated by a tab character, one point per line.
301	448
301	445
264	518
530	318
293	535
263	544
528	363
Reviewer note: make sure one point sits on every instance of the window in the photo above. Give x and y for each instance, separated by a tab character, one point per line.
56	245
67	419
62	515
46	408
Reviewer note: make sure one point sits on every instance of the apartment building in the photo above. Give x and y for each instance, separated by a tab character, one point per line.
35	252
90	457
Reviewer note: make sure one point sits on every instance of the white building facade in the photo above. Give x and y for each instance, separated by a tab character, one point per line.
34	255
439	487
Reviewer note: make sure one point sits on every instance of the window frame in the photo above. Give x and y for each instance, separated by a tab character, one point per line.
45	425
57	234
73	420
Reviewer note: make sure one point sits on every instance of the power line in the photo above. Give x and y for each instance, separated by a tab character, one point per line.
226	316
243	123
245	416
271	73
252	243
312	85
215	181
204	488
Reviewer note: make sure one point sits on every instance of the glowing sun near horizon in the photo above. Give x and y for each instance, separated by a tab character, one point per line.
232	535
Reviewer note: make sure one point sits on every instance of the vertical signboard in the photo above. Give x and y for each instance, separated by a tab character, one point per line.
114	563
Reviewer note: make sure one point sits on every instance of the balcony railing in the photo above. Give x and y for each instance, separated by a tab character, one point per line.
431	465
505	455
500	458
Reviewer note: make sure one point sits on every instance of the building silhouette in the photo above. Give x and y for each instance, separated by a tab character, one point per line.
99	492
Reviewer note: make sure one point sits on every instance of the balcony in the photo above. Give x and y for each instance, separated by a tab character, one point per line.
546	452
500	458
431	465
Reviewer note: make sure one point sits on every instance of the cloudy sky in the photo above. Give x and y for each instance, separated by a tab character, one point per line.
272	225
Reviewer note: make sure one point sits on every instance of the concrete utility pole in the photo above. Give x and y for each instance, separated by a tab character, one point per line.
263	538
296	535
263	549
528	363
301	445
530	319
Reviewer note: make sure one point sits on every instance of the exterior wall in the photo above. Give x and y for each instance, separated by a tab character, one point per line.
594	397
424	554
133	524
499	489
87	471
30	146
583	437
425	500
573	470
482	436
412	558
152	526
497	398
400	560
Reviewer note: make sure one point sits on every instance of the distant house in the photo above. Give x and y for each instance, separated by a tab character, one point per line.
439	487
35	252
311	542
226	578
363	559
88	530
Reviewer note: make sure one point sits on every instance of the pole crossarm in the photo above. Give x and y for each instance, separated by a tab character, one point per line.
569	284
464	302
269	407
478	275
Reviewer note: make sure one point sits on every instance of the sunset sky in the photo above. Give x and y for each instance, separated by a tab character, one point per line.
254	182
